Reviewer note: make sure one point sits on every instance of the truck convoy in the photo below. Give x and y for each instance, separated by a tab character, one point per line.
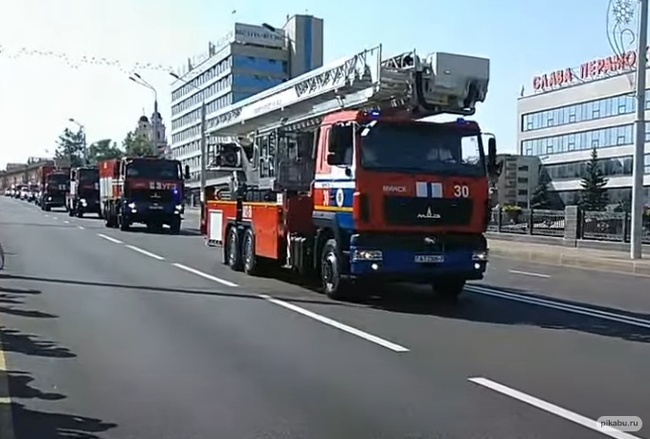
54	184
340	178
83	196
147	190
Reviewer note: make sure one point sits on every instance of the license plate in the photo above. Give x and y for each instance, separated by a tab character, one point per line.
155	207
429	259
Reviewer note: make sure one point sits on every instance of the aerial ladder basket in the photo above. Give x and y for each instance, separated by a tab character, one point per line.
439	83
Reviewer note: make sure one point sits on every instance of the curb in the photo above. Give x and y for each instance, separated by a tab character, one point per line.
560	258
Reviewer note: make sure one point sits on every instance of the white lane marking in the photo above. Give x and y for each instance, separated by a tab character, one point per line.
55	217
205	275
620	318
81	227
145	252
333	323
552	408
47	216
66	222
108	238
529	273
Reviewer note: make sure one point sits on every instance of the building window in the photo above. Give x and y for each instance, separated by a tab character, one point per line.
585	111
601	138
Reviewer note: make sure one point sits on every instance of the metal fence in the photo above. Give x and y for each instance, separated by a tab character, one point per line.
598	226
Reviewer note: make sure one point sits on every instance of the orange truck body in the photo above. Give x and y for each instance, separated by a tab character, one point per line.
392	225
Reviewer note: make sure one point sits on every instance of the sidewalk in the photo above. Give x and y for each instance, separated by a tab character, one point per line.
603	260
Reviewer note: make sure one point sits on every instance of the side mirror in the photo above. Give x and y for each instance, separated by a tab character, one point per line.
492	167
186	174
492	147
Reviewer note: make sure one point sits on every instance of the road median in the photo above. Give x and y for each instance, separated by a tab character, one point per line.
569	256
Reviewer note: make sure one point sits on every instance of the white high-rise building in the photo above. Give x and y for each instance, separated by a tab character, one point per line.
248	60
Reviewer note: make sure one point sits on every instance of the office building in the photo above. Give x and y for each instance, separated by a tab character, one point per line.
573	110
248	60
518	180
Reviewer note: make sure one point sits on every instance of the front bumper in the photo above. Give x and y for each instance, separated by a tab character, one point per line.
85	205
409	259
152	212
54	201
399	265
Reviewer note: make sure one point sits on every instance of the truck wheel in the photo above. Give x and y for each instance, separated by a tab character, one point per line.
234	250
79	213
449	288
250	259
124	224
330	272
48	208
70	211
175	226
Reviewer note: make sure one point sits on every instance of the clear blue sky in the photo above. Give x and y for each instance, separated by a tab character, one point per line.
38	94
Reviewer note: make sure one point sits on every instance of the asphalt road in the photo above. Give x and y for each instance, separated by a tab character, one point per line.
115	334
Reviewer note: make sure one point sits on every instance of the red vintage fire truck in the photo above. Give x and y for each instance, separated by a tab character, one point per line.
341	179
147	190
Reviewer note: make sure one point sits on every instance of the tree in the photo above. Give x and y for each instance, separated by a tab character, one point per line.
137	145
540	198
593	196
71	147
103	150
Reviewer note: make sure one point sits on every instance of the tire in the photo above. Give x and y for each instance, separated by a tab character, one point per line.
449	289
70	211
175	226
48	208
250	260
234	250
124	225
334	286
79	213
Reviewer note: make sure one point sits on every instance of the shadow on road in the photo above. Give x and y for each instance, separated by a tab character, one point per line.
251	294
33	424
12	296
19	387
478	308
29	423
15	341
26	313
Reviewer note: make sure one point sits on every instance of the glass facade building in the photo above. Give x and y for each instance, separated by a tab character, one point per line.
563	125
248	60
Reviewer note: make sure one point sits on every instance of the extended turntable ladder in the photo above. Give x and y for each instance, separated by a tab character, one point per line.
436	84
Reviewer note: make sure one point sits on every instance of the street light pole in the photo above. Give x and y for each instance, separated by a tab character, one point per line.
84	140
203	145
154	121
639	144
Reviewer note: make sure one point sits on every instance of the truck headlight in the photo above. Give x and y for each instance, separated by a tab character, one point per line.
367	255
83	202
480	256
179	208
131	205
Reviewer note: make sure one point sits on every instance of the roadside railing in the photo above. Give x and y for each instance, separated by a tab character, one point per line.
596	226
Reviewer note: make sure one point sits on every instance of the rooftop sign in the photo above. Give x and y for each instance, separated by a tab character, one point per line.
589	71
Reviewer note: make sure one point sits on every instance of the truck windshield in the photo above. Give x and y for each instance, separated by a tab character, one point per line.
88	175
426	148
156	169
57	179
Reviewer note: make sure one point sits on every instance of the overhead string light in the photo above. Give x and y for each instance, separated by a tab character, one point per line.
76	62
